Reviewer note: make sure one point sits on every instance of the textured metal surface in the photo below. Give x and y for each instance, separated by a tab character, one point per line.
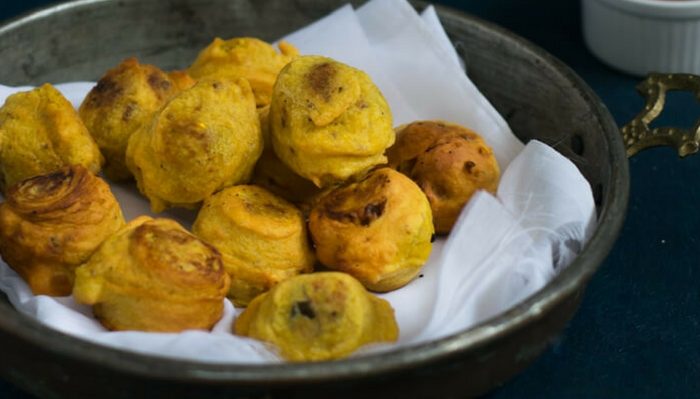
639	135
540	97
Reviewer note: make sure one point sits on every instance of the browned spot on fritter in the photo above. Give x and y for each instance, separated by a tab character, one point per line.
158	82
373	211
48	183
468	166
358	203
320	78
363	216
56	191
303	308
149	241
104	93
129	111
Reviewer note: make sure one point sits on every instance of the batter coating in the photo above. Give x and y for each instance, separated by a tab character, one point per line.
206	138
51	224
378	230
153	275
328	120
262	238
244	57
449	163
39	133
125	99
319	316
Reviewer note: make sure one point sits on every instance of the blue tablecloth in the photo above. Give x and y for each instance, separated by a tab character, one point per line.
637	333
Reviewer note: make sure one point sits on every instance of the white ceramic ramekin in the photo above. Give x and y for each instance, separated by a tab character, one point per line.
643	36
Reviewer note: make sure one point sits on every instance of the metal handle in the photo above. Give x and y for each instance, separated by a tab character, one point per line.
638	135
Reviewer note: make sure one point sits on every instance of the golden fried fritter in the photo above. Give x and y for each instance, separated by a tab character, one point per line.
125	99
328	120
449	163
152	275
320	316
262	238
52	223
39	133
244	57
206	138
378	229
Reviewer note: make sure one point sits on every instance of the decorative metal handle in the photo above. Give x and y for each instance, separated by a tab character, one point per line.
638	135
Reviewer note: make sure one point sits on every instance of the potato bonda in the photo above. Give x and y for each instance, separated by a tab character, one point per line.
122	101
206	138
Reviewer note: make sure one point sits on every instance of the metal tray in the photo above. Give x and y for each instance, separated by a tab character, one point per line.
539	96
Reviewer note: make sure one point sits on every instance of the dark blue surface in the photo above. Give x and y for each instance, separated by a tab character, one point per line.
637	334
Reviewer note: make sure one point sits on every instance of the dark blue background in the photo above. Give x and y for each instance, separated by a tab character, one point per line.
637	333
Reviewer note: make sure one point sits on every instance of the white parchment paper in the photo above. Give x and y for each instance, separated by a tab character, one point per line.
502	249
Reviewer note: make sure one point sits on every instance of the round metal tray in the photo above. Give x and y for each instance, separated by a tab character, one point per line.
539	96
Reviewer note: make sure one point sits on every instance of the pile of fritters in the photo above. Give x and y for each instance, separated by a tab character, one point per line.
293	163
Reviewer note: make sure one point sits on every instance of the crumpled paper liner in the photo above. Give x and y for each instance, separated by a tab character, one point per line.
503	248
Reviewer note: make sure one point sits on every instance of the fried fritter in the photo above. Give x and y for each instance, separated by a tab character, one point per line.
449	163
206	138
125	99
244	57
40	132
378	229
328	120
152	275
319	316
262	238
50	224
